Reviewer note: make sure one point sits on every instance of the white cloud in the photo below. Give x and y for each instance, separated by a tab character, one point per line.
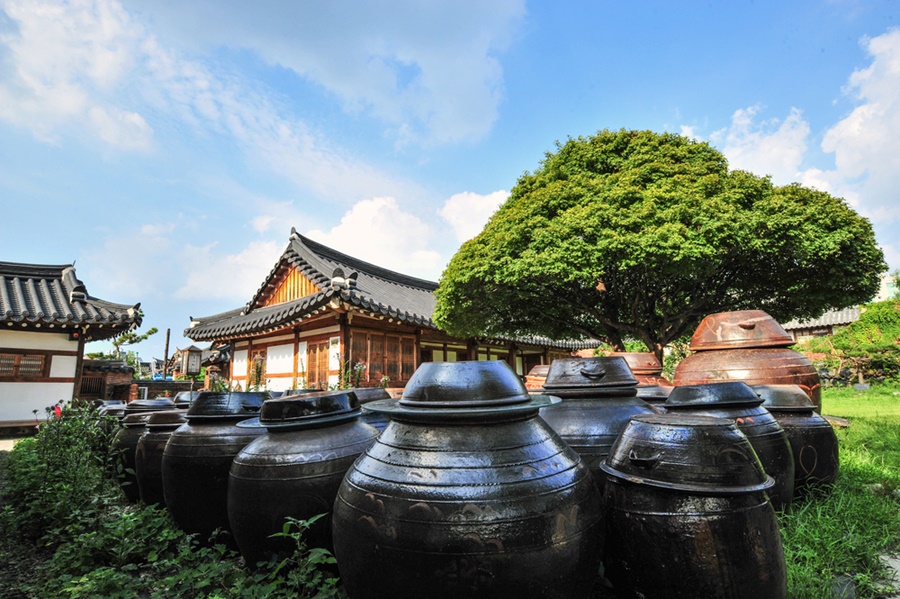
770	147
63	62
428	70
87	65
468	212
864	143
380	232
214	275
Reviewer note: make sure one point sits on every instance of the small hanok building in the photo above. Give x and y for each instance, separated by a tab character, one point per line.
46	317
323	318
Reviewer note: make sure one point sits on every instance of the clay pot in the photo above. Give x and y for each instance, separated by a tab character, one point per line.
743	329
467	493
738	402
126	441
198	457
645	367
812	439
748	346
149	453
599	398
534	380
294	469
687	512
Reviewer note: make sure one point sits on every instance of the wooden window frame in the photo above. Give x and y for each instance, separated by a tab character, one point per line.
17	356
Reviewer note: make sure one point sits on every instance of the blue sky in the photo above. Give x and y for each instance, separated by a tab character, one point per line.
168	147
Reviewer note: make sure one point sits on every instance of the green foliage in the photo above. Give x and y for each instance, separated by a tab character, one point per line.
638	234
871	345
841	534
60	492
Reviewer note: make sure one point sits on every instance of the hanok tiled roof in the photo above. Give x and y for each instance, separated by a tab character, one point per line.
36	296
830	318
342	279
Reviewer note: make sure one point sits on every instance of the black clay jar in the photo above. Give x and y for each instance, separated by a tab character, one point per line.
599	398
294	469
467	493
812	439
738	402
198	457
126	441
149	405
687	512
149	453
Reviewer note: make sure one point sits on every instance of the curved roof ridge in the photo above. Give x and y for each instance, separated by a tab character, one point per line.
357	264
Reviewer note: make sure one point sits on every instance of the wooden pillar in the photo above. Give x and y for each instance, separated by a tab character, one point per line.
79	363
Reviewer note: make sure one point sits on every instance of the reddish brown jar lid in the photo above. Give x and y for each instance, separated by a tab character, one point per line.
745	329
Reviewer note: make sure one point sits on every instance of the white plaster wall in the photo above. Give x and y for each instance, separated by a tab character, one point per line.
301	360
32	340
239	363
63	366
17	400
334	355
280	359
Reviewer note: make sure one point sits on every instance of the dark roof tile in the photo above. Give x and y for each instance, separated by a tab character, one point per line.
37	294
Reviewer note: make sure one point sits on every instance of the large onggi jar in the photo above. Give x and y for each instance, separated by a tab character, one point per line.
599	398
198	457
747	346
294	469
812	439
738	402
467	493
687	513
149	453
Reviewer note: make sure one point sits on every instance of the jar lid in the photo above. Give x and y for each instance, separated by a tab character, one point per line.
604	375
183	399
744	329
461	389
712	395
640	362
307	410
784	398
149	405
136	420
693	454
166	418
227	404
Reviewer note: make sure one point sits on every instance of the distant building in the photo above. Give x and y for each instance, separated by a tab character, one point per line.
888	288
321	314
46	317
824	325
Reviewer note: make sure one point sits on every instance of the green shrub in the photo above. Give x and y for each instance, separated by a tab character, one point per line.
60	491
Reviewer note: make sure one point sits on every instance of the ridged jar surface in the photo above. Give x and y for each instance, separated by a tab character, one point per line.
195	469
292	473
471	509
590	425
767	439
148	463
126	441
766	366
687	513
686	546
815	448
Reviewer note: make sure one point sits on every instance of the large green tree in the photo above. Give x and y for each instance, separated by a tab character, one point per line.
639	234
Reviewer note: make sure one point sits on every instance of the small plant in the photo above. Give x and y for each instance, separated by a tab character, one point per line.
257	380
358	369
384	381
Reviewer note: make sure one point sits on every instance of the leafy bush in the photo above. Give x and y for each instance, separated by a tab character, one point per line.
60	491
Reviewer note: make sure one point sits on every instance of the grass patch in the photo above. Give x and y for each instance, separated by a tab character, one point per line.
836	538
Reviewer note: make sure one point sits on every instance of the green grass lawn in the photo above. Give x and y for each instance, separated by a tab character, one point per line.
836	538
